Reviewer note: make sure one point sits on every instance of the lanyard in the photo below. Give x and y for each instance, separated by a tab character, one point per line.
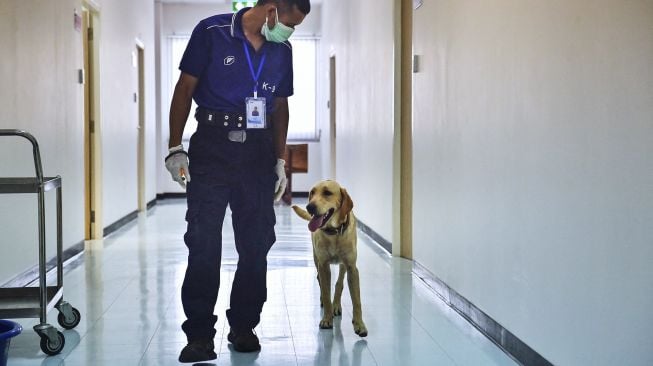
251	68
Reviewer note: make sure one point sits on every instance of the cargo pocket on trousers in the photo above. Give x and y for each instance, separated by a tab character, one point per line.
267	208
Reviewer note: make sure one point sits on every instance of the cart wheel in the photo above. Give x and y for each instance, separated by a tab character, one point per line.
53	347
71	324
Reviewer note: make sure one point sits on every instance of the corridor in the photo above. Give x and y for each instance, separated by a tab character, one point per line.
127	288
498	153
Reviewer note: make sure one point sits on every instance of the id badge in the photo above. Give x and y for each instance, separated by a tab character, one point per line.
255	113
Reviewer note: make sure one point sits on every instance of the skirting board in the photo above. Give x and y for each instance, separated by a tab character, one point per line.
120	223
375	236
31	274
163	196
151	204
494	331
126	220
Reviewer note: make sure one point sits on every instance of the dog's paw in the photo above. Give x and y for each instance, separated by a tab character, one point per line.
326	323
337	309
359	328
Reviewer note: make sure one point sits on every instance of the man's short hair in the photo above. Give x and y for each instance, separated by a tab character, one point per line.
303	5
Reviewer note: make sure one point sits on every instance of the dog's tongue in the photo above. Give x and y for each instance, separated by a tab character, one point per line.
315	223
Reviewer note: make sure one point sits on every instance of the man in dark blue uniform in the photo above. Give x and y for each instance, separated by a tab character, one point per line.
234	63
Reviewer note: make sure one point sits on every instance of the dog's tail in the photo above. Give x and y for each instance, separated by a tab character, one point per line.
301	213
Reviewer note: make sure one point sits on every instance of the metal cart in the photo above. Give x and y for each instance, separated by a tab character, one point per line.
35	302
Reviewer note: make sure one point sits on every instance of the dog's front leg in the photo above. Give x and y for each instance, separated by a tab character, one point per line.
324	273
353	281
317	268
337	305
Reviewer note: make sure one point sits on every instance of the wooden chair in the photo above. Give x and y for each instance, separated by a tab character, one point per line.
296	158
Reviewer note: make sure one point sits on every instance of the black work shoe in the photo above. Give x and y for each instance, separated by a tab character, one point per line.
244	340
197	351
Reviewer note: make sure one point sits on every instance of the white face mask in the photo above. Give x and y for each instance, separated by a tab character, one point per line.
279	34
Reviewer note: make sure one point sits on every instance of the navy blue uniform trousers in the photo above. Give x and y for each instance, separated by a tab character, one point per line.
242	176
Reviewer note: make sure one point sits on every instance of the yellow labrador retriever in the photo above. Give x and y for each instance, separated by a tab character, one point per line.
333	230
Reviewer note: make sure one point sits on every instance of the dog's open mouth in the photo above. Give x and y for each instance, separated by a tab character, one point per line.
317	221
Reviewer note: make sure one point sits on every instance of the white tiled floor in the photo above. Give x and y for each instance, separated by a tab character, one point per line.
127	289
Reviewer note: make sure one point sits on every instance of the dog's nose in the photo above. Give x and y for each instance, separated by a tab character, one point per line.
311	208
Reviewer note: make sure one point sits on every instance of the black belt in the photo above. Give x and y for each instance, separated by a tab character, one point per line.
228	120
234	123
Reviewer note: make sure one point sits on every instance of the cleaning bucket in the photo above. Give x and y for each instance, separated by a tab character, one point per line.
8	330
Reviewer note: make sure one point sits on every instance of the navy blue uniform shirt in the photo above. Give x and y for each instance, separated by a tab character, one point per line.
216	56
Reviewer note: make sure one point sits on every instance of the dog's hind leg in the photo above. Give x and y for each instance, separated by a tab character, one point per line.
353	281
337	305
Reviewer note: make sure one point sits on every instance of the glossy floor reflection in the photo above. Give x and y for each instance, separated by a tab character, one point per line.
127	289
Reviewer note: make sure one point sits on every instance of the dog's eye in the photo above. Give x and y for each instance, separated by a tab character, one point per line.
327	193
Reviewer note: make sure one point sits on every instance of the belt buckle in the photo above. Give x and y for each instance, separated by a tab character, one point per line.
237	136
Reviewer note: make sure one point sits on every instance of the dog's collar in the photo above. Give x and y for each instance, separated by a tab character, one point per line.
339	230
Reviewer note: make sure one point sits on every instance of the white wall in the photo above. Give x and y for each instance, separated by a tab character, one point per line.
360	34
533	138
40	94
41	53
302	182
180	19
121	23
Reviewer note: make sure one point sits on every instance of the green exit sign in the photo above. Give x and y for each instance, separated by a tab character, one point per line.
237	5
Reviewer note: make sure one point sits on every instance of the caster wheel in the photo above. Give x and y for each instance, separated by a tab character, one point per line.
53	347
69	324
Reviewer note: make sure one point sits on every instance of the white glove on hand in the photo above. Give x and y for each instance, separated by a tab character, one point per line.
280	186
177	165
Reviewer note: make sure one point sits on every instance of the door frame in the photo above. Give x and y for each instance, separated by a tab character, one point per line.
140	54
93	228
332	112
402	241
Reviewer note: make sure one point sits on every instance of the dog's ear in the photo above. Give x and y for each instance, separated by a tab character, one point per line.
347	204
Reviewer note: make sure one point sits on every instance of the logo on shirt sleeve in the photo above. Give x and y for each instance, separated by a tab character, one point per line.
229	60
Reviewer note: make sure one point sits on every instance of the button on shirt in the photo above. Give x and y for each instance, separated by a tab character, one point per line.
216	56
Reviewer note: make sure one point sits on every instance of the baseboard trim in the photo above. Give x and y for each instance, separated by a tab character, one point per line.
375	236
70	254
120	223
151	204
32	274
502	337
164	196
